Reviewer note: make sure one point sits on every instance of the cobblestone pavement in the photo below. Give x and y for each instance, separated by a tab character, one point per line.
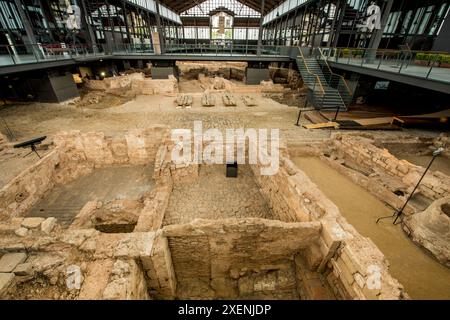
214	196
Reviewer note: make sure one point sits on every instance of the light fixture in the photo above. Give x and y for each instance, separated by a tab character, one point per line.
438	152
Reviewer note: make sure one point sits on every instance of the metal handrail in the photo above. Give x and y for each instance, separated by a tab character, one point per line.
335	74
391	50
402	59
309	71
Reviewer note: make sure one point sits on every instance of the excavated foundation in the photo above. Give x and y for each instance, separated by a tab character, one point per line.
121	221
366	183
64	202
214	196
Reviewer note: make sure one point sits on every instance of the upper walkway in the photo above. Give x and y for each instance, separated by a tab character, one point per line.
424	69
33	57
429	70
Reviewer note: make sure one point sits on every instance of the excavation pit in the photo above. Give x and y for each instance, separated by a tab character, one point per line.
190	233
64	202
420	154
360	200
214	196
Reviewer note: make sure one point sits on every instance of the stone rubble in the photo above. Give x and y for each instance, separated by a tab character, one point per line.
430	229
5	146
10	261
48	225
32	223
5	281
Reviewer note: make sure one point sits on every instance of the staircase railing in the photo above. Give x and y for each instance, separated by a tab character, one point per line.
316	96
334	80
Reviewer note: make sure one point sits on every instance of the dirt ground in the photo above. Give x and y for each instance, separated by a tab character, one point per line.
422	276
28	121
117	182
214	196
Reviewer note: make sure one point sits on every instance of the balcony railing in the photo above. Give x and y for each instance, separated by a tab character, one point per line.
32	53
422	64
23	54
426	65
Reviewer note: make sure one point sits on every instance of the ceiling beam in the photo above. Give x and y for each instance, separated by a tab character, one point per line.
181	6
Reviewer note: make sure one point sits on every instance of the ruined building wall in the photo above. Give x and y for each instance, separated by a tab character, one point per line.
282	192
152	216
121	265
135	82
5	146
135	147
237	258
309	250
362	151
30	185
348	261
77	154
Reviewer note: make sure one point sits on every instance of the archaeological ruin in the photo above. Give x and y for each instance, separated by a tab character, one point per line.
224	150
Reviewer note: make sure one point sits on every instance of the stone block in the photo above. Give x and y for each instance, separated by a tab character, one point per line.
21	232
23	269
32	223
5	280
97	276
10	261
360	281
346	275
48	224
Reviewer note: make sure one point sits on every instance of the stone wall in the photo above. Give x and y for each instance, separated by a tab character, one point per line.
362	151
22	192
77	154
152	86
430	229
135	147
222	84
113	83
289	197
135	82
142	263
5	146
236	258
126	282
346	260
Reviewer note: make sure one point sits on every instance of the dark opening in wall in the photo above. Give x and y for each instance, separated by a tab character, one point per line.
116	228
232	170
446	209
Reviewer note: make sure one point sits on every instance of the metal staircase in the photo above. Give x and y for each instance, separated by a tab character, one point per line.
327	90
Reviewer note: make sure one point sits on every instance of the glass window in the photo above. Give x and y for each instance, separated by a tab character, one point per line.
238	8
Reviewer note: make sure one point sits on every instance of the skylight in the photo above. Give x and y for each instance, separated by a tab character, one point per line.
204	8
